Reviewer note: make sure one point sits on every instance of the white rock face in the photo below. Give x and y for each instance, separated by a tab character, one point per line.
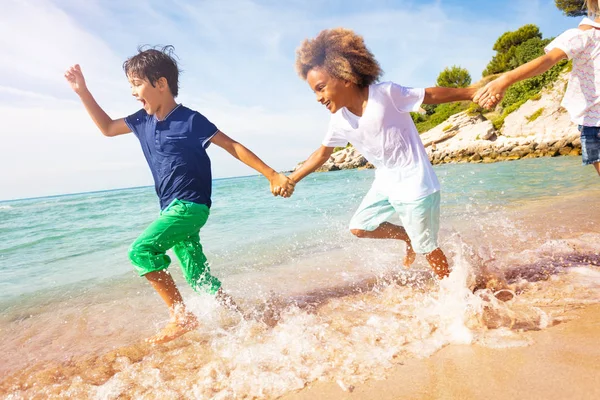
539	128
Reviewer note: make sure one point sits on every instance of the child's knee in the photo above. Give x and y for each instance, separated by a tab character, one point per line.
146	258
135	252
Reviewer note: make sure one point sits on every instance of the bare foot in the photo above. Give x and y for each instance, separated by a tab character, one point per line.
410	256
174	329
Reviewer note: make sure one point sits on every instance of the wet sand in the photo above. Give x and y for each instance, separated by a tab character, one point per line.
562	363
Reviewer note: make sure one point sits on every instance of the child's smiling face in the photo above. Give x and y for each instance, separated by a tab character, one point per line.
149	95
332	92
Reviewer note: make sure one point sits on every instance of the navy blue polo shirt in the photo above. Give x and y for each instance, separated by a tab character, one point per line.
175	149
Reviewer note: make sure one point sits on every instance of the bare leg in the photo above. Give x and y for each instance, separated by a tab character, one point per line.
182	321
389	231
597	166
439	263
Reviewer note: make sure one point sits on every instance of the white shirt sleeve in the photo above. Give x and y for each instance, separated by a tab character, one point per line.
572	42
406	99
334	137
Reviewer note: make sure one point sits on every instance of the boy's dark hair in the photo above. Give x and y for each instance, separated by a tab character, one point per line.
153	63
342	53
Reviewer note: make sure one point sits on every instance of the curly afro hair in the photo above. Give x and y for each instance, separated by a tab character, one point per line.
342	53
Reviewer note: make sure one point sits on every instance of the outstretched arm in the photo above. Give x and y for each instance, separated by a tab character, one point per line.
107	125
280	184
315	160
491	93
439	95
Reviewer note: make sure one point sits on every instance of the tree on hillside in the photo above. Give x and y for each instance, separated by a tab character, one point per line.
506	48
454	76
511	39
571	8
529	50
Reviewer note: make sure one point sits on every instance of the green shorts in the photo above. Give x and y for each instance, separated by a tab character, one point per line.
177	227
420	218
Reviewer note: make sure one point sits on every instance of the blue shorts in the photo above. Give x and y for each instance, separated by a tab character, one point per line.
590	144
420	218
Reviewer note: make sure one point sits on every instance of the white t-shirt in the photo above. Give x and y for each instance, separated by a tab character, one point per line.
387	136
582	98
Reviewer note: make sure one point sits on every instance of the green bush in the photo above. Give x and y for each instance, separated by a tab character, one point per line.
524	90
500	63
442	113
416	117
527	51
429	108
475	109
498	121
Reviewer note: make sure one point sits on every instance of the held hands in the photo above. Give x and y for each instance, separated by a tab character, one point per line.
282	186
75	78
491	94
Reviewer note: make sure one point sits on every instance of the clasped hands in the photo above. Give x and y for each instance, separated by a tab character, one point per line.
282	186
490	95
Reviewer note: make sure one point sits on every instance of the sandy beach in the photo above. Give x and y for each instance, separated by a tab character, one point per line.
562	363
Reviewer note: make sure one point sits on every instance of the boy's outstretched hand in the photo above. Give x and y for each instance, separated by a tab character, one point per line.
491	94
282	186
75	78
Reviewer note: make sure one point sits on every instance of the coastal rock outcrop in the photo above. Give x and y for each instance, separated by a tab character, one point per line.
348	158
539	128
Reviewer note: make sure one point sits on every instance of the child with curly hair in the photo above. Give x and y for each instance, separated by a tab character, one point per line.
582	98
375	118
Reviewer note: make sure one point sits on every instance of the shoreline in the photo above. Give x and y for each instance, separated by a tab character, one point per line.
561	363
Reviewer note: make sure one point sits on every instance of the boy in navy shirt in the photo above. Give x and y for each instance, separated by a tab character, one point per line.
174	141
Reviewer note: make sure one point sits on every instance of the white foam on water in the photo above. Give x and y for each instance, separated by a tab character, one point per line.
344	336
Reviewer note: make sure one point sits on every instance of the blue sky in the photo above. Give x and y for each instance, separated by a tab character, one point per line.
238	62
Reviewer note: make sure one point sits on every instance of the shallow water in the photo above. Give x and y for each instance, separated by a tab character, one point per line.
325	305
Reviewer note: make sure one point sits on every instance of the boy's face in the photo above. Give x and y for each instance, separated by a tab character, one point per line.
151	96
332	92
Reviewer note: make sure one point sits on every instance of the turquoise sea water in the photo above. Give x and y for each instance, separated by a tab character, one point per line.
48	243
347	308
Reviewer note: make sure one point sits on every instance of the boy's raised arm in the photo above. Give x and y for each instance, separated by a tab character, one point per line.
313	162
107	125
439	95
280	184
491	93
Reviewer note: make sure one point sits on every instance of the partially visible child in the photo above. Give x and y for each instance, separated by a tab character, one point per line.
582	98
174	141
375	118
